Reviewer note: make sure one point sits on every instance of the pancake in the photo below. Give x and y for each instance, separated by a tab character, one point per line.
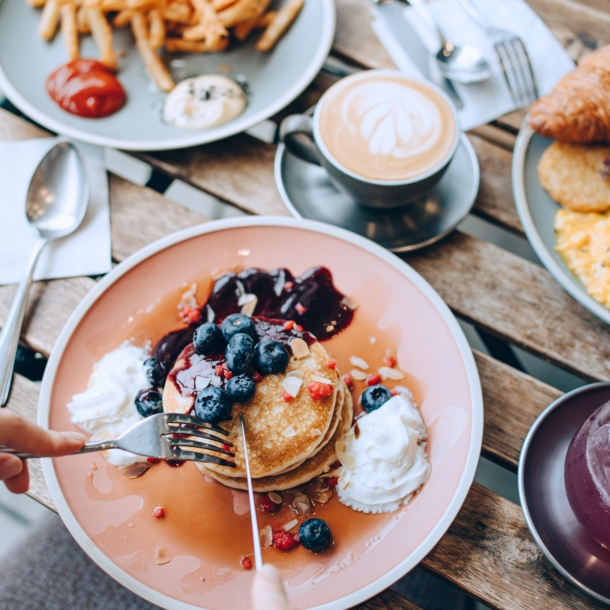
314	466
280	434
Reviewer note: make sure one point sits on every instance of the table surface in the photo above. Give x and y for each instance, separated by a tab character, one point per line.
488	552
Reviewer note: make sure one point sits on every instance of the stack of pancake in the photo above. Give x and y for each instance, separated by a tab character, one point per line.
289	443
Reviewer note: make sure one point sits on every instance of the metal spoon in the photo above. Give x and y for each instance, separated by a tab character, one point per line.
55	206
464	64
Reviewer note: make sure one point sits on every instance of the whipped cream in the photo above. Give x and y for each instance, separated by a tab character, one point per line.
204	101
383	458
106	408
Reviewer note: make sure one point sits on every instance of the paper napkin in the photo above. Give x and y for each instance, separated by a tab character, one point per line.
486	101
84	252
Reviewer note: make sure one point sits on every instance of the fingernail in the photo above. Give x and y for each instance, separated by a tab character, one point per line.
271	573
74	437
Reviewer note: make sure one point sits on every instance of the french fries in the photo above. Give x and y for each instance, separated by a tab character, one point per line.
176	26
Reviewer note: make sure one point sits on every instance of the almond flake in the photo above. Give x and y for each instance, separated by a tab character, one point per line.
133	471
315	432
322	379
249	307
388	373
188	298
266	535
246	298
296	373
211	314
357	375
288	526
218	273
289	432
300	349
216	381
349	303
275	497
163	556
373	340
292	385
240	289
359	362
279	283
301	505
201	383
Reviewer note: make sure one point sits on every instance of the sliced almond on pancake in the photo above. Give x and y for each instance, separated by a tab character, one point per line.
300	349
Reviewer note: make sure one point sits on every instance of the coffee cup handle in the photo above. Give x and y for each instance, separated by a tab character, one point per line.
304	148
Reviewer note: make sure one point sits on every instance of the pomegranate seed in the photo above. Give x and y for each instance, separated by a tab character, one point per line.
390	361
349	382
289	325
225	366
218	370
394	392
332	481
373	379
191	314
288	285
332	364
228	374
267	505
287	397
245	562
299	328
152	460
284	540
256	377
320	390
226	447
300	309
158	512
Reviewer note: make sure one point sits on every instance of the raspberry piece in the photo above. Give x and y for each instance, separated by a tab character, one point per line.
218	370
320	390
390	361
332	364
158	512
256	377
373	379
245	562
300	309
288	285
332	481
289	325
284	540
267	505
226	447
299	328
227	374
191	315
152	460
349	382
288	397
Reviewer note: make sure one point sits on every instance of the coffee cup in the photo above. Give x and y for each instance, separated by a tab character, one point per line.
383	138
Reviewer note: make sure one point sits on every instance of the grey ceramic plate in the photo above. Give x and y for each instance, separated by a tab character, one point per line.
274	79
543	496
308	193
537	213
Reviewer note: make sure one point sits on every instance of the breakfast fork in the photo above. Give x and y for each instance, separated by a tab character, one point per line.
513	57
166	436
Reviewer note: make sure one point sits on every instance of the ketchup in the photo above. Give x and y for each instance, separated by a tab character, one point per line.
87	88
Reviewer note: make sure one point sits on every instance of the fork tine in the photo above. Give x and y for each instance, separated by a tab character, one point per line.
188	442
500	49
202	434
528	69
202	457
179	418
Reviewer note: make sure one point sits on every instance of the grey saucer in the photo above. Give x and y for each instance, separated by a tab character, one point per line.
543	496
308	193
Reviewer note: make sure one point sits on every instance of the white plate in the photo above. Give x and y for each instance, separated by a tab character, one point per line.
274	79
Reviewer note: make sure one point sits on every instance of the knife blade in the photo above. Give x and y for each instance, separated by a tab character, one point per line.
258	556
392	15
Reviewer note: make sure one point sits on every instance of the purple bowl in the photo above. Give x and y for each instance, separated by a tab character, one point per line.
543	494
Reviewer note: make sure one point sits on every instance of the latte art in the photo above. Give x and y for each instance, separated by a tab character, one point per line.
384	126
394	119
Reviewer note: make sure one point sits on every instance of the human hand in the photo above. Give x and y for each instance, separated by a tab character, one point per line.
268	591
24	436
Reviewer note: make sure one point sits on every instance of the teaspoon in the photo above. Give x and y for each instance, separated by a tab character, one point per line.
55	206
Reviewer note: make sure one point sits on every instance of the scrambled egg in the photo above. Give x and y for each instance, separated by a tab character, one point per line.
583	241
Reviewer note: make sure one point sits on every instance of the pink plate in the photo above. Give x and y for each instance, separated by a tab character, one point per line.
207	527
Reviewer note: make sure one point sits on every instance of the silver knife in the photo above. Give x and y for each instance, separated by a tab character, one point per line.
258	556
392	14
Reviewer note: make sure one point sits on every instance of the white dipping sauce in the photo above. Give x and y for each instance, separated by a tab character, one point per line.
106	408
204	101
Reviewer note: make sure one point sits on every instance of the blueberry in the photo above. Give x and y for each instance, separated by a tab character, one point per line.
238	323
372	398
155	372
239	353
315	535
271	357
213	405
149	402
240	388
208	339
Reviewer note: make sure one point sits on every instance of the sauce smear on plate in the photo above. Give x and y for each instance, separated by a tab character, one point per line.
87	88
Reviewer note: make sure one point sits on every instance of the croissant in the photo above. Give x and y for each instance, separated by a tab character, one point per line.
578	107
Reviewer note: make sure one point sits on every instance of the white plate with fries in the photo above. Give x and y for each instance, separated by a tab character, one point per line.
272	78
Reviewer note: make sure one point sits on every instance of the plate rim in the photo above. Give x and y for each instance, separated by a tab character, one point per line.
538	423
328	20
474	385
462	141
566	279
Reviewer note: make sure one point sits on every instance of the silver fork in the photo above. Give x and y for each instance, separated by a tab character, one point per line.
513	57
167	436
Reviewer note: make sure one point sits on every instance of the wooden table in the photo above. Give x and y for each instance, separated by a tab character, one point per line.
488	552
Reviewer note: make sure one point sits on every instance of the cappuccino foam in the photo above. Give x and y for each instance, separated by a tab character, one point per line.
384	126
